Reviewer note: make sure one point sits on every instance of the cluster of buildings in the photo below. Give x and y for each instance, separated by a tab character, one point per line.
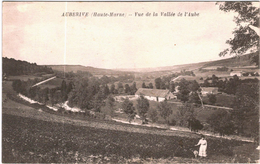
164	94
161	95
241	73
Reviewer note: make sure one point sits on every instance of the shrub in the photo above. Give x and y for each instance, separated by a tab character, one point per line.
221	122
100	116
171	120
153	114
212	99
194	124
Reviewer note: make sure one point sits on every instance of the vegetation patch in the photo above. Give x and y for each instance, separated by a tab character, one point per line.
33	141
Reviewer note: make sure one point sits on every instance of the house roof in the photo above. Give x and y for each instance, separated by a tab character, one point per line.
152	92
209	89
189	78
236	72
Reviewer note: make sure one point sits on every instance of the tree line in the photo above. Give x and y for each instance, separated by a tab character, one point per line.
165	82
12	67
83	90
228	86
244	118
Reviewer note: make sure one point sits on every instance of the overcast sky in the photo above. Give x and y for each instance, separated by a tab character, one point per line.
37	32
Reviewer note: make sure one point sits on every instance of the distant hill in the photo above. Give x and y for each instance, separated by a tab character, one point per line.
92	70
174	68
240	61
237	61
12	67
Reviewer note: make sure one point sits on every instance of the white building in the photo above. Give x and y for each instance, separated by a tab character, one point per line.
238	73
155	94
209	90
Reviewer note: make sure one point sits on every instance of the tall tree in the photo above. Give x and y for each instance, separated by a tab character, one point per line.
129	109
112	88
184	114
245	36
214	81
133	88
194	88
142	107
98	101
153	114
69	87
120	87
110	106
64	90
163	86
194	98
212	99
246	109
127	89
184	91
150	85
143	85
232	84
221	122
45	96
52	98
158	82
172	87
106	90
17	85
165	110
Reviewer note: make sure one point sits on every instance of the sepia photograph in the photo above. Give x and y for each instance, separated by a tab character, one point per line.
130	82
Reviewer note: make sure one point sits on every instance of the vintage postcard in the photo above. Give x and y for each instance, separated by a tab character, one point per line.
130	82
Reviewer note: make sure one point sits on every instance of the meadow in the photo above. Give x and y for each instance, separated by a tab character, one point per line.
36	141
23	77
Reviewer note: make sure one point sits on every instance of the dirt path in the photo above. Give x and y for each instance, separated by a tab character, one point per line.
44	81
187	130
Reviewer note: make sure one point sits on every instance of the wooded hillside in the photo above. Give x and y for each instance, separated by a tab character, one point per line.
12	67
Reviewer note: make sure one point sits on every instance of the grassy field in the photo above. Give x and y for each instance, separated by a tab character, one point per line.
223	100
33	141
210	73
23	77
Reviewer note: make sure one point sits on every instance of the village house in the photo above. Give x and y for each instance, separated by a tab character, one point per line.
209	90
238	73
155	94
186	77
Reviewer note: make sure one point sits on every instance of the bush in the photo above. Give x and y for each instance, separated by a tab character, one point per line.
212	99
100	116
222	69
194	125
153	114
171	120
221	122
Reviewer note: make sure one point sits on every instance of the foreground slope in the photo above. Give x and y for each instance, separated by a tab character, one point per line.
32	140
